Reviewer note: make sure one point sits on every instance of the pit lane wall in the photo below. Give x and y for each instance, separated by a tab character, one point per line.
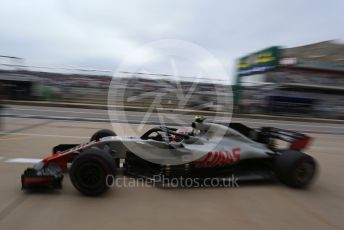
169	110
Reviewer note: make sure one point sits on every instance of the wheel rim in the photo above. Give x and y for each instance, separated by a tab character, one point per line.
304	172
90	175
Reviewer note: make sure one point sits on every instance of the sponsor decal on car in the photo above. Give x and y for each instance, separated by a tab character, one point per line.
220	158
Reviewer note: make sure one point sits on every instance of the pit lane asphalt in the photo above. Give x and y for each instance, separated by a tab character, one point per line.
252	206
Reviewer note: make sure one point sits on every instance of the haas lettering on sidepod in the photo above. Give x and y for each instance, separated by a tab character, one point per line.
219	158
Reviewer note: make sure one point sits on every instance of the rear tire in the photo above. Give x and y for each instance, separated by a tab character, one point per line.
102	133
295	169
91	171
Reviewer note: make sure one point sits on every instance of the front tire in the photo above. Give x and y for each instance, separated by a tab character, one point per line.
295	169
91	170
102	133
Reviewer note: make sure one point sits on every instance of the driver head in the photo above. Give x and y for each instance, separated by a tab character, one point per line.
199	124
199	118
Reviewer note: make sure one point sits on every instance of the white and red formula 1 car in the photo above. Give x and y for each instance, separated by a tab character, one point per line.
209	151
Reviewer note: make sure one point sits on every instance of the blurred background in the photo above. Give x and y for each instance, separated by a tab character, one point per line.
306	81
278	58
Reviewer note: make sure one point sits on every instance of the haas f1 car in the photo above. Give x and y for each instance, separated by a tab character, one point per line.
209	150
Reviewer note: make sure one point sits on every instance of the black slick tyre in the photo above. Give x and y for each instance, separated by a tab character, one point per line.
92	172
102	133
295	169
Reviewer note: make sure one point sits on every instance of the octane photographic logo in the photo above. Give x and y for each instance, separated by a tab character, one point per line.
177	182
142	95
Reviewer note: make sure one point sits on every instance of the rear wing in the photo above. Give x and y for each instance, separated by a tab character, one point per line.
298	141
266	135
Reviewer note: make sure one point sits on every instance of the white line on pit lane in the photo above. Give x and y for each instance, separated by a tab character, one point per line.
137	121
59	111
86	112
288	124
34	161
117	114
43	135
1	158
23	160
282	123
